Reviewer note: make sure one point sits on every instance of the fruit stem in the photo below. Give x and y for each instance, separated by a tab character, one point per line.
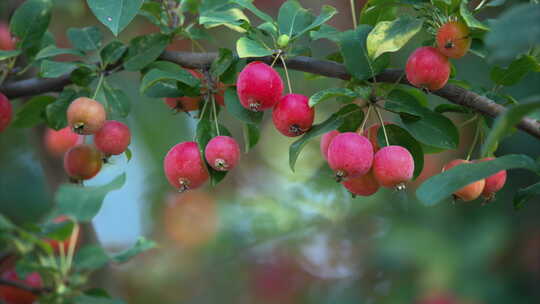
99	84
461	125
276	58
480	5
365	118
286	73
382	125
353	12
475	140
215	114
72	244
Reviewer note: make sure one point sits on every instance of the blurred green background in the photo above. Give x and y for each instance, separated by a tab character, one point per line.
268	235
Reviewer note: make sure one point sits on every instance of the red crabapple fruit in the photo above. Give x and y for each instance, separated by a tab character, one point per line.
86	116
222	153
59	142
7	42
494	183
473	190
453	39
292	115
325	142
372	133
65	243
113	138
393	166
82	162
6	112
427	68
14	295
350	155
364	185
184	166
259	86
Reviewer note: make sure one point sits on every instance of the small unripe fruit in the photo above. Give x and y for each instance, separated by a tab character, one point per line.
65	243
113	138
283	40
82	162
453	39
473	190
7	43
427	68
393	166
292	115
222	153
494	183
364	185
350	155
259	86
372	133
6	112
86	116
325	142
59	142
184	166
14	295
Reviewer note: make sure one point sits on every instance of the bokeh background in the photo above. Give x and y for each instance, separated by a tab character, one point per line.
268	235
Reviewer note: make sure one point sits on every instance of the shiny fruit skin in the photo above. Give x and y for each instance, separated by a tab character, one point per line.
59	142
292	115
113	138
454	39
82	162
184	167
13	295
6	112
427	68
259	86
222	153
473	190
325	142
7	43
86	116
350	155
363	185
392	166
495	182
55	244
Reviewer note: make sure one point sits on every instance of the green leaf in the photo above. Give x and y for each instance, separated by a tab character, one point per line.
143	50
525	194
325	32
391	36
83	75
293	18
5	223
451	108
159	77
53	69
32	112
52	51
30	22
327	12
468	17
516	71
86	299
400	137
9	54
85	39
247	4
140	246
206	130
503	124
233	106
129	154
90	257
58	231
374	12
83	203
521	21
246	47
112	52
232	18
222	63
117	101
115	15
55	113
355	56
335	121
426	126
268	28
252	134
441	186
332	93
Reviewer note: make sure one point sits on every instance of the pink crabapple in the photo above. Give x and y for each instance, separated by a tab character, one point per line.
326	140
82	162
86	116
427	68
222	153
59	142
113	138
350	155
292	115
453	39
184	167
363	185
393	166
470	192
494	183
259	86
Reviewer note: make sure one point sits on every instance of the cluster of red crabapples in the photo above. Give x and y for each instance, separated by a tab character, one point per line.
362	166
428	67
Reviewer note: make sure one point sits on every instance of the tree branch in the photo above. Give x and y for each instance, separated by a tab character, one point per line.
34	290
452	93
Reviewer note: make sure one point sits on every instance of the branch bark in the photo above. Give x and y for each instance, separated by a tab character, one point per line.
452	93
